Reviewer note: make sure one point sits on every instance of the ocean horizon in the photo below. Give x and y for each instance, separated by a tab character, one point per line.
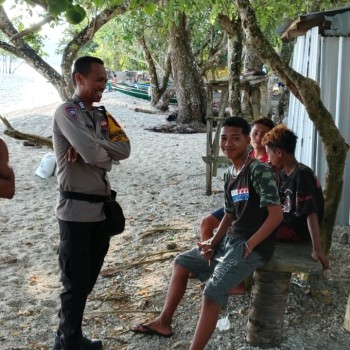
25	89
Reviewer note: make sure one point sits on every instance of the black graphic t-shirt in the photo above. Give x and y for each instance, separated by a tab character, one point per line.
301	194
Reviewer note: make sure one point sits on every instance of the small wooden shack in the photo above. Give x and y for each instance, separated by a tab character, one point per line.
321	52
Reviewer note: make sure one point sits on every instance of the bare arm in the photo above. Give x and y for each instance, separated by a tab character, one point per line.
208	247
274	218
7	176
314	229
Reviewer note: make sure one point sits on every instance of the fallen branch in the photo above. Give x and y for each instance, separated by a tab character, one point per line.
112	271
142	110
160	229
12	132
131	311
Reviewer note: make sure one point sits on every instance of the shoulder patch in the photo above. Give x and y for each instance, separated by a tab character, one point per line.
71	112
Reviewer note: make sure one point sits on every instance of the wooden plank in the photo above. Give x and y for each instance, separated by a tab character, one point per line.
293	257
216	142
217	159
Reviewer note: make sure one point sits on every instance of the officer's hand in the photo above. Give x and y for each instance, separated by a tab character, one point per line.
72	155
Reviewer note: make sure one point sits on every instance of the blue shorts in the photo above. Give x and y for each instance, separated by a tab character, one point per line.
227	269
219	214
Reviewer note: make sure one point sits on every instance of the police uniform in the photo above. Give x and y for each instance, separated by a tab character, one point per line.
83	244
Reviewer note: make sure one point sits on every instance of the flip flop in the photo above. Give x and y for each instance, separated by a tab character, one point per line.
143	329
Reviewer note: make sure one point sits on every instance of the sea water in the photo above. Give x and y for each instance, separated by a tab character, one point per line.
25	89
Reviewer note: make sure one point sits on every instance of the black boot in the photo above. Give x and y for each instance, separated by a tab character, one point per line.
85	344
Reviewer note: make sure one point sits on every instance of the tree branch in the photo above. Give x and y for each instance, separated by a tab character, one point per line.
34	28
12	132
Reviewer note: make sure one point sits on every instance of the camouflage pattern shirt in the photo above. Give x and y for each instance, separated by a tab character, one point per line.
247	196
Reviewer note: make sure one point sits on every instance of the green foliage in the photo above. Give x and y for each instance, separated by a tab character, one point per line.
150	8
56	7
98	3
20	26
116	2
75	14
224	7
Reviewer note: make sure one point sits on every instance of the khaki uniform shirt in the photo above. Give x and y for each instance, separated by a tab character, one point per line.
87	132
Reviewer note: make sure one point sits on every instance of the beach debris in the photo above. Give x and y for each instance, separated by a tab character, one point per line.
344	238
170	245
109	272
223	324
12	132
7	259
47	166
143	110
31	144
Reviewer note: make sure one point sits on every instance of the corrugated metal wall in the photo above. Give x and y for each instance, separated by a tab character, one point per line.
325	59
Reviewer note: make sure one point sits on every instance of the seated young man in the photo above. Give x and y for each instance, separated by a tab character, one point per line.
300	192
242	243
260	127
210	222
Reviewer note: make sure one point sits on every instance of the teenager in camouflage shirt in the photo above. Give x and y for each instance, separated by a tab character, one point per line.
242	243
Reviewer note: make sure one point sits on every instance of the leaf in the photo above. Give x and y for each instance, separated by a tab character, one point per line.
98	3
20	26
116	2
150	8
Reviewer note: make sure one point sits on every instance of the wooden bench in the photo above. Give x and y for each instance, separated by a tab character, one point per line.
270	291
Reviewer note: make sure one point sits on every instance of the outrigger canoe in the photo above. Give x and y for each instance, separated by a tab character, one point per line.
135	90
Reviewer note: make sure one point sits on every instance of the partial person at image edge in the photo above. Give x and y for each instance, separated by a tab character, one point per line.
7	176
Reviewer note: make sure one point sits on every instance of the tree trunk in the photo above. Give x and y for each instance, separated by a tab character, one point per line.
164	101
251	94
189	85
308	92
234	61
160	96
152	71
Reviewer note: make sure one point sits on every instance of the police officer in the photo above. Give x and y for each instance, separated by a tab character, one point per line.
84	150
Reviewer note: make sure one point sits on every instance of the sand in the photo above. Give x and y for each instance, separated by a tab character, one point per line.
161	188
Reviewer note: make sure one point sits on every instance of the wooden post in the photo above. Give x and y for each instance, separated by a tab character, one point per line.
221	117
347	316
209	165
268	304
270	291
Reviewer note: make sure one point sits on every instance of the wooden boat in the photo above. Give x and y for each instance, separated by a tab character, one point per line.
136	90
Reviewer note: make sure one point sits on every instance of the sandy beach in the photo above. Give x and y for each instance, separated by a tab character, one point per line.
161	188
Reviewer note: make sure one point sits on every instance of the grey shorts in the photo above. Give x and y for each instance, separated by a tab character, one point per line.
227	269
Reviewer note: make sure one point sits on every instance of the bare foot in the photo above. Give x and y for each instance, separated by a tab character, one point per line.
154	327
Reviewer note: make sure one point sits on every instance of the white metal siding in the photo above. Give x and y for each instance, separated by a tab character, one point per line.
325	59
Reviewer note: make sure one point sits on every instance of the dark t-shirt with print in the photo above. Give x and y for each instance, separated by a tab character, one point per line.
246	197
301	194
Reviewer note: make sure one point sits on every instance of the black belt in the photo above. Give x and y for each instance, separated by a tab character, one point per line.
94	198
